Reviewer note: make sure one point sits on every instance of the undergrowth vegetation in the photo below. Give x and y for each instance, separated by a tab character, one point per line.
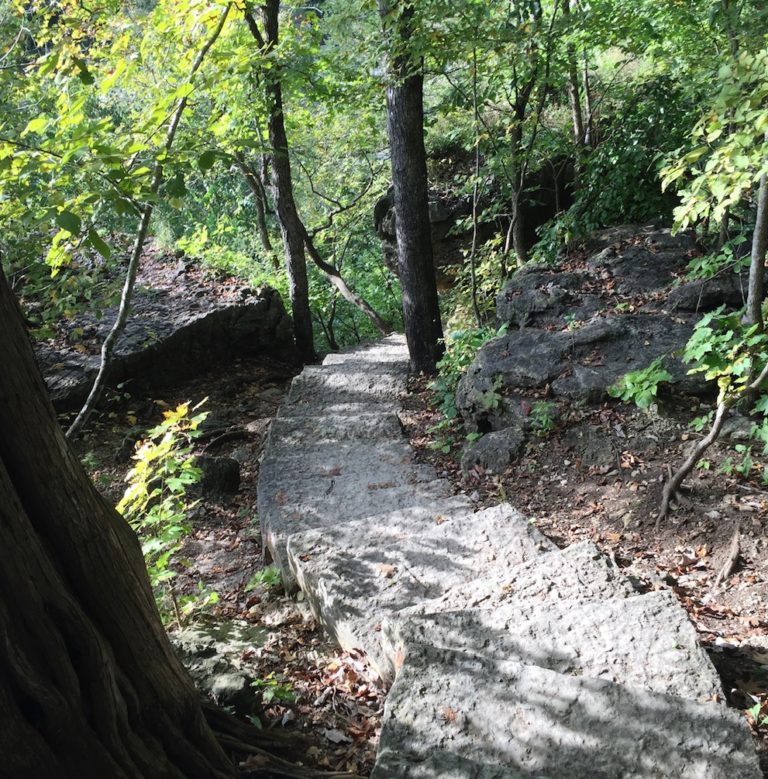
157	506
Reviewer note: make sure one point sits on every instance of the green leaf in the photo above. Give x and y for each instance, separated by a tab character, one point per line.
36	125
98	243
68	221
175	185
207	160
84	74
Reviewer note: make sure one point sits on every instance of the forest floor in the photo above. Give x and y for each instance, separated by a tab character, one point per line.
336	701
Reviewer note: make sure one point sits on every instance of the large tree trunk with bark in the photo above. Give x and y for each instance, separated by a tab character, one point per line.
405	120
282	185
89	683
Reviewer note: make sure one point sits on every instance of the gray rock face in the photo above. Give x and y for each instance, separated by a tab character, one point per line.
494	451
510	658
577	332
175	331
538	296
708	294
577	364
221	475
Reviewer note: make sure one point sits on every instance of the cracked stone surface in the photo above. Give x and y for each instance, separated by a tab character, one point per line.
449	714
509	657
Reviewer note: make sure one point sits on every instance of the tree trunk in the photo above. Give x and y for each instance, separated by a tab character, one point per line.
574	96
518	230
255	184
756	293
282	185
405	121
89	683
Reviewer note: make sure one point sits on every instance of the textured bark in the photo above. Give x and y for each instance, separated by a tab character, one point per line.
282	185
405	120
757	262
574	97
89	683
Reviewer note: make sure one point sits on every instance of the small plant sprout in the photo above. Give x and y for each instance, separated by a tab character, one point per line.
542	418
268	577
640	387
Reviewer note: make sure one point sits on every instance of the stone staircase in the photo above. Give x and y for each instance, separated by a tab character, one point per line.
508	658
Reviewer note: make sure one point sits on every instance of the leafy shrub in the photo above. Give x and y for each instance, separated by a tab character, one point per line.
156	506
461	348
640	387
725	350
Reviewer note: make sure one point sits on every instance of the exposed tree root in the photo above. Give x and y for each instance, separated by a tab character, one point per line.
269	750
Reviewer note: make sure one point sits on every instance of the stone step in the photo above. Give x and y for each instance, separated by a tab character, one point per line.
390	349
643	641
281	514
368	455
319	386
578	574
452	715
331	406
293	431
357	574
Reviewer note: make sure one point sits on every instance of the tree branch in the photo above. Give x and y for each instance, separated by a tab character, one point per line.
141	236
723	408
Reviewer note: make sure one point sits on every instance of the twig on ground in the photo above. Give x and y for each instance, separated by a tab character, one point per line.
730	562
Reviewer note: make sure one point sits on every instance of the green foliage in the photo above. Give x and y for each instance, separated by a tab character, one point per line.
461	348
268	577
725	350
156	506
647	118
640	387
714	263
273	690
730	143
542	418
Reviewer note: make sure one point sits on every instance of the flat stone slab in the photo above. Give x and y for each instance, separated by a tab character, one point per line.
319	385
294	431
644	641
353	454
357	574
391	349
450	714
327	503
578	574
